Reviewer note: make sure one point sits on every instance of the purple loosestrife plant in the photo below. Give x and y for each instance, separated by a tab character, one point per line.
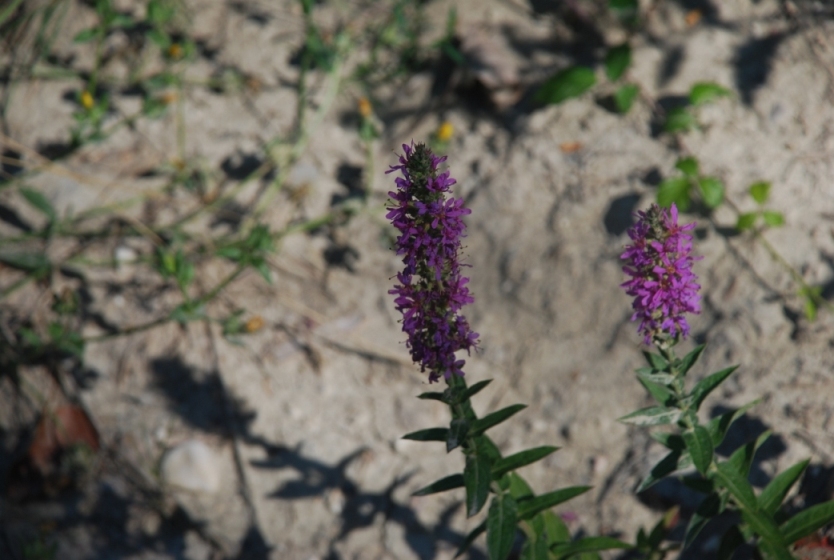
431	290
662	282
664	290
430	294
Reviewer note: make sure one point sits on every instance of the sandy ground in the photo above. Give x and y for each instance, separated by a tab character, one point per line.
302	421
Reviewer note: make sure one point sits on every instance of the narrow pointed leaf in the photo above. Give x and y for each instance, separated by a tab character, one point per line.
458	429
772	539
670	441
806	522
449	483
529	508
470	538
774	493
673	461
481	425
588	544
656	361
742	458
660	393
773	551
433	396
700	447
555	528
473	390
430	434
649	374
477	477
39	202
501	526
520	459
708	384
720	425
737	484
690	359
519	489
652	416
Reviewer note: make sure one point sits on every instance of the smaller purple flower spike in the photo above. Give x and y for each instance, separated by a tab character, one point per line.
662	282
431	290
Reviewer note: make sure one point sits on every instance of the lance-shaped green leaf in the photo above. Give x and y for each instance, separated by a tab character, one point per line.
588	544
448	483
742	458
806	522
652	416
731	540
556	529
429	434
501	526
568	83
39	202
707	385
669	440
481	425
650	374
520	459
737	484
519	489
431	396
719	425
774	493
529	508
675	460
458	430
476	475
470	538
661	394
690	359
700	447
707	509
656	361
771	551
470	392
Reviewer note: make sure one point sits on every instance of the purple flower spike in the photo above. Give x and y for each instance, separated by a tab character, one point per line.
662	282
431	291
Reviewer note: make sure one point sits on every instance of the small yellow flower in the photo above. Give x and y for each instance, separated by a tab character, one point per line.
87	100
445	131
254	324
175	51
364	107
169	97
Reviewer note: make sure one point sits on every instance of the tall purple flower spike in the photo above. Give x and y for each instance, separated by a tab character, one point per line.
431	290
662	282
